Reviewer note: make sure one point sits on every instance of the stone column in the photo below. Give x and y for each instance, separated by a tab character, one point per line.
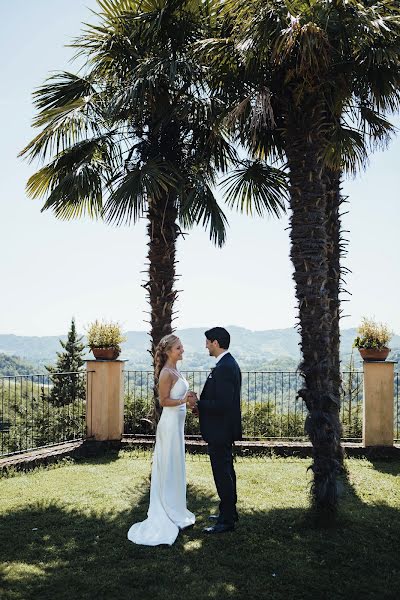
105	399
378	403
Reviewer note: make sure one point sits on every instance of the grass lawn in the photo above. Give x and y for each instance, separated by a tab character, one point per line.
63	534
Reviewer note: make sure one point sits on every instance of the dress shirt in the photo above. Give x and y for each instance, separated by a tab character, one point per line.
221	355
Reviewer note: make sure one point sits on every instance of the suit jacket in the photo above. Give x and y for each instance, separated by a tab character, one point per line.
219	404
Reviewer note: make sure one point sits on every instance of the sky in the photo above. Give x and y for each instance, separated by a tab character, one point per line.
53	270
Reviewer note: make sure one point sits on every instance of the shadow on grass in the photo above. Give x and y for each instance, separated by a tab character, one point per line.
102	456
386	466
49	551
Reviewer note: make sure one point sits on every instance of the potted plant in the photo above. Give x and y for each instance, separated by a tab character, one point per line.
372	340
104	339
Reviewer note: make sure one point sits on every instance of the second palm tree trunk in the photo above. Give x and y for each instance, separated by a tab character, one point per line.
336	249
309	254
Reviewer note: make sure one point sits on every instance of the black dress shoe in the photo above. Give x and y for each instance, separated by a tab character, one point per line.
216	517
187	527
219	528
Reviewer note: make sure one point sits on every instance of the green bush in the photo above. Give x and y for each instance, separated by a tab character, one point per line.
138	414
262	420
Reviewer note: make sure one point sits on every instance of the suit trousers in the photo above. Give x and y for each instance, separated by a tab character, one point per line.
225	480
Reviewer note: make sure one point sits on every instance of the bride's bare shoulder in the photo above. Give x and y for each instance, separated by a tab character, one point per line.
165	375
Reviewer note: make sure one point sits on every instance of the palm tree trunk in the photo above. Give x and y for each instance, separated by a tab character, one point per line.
335	251
309	254
163	232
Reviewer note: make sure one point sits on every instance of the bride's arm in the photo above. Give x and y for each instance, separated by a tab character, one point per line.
164	389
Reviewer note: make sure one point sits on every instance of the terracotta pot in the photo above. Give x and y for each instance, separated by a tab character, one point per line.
374	354
106	353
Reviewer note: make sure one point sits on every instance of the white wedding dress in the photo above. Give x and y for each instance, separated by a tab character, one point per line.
167	512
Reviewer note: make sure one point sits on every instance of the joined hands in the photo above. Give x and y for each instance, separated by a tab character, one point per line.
192	398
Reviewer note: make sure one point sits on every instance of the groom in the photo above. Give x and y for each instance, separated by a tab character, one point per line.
221	424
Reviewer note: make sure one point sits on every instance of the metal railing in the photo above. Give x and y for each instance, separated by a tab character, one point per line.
41	410
396	407
270	409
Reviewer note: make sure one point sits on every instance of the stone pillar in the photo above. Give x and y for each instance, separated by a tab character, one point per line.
105	399
378	403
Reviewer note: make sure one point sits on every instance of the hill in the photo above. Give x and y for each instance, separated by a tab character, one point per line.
14	366
276	349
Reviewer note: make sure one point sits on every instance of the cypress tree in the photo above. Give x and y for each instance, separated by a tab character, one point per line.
67	388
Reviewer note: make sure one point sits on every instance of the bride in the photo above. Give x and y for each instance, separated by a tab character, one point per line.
167	512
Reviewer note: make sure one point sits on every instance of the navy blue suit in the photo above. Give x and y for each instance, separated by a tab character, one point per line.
220	425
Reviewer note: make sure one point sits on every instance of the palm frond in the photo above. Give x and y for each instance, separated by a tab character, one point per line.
254	112
200	206
69	113
378	129
77	194
268	144
132	190
112	9
384	86
212	147
74	180
61	89
256	187
346	150
110	49
67	126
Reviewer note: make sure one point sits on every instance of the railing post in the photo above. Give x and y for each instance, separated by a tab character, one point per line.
378	403
105	399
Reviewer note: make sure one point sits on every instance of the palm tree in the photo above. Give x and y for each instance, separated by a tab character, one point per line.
313	83
138	134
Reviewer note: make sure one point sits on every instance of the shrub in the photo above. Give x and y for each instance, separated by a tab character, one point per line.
372	335
104	335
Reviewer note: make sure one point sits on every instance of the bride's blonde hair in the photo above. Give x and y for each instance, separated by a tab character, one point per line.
160	356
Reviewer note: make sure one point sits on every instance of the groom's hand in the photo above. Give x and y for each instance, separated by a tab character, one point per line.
192	399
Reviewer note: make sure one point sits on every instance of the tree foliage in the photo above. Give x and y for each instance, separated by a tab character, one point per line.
68	385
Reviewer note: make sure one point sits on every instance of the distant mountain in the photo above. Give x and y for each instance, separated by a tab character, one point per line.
270	349
30	347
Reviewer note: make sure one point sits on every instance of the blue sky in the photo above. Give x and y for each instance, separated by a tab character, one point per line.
52	270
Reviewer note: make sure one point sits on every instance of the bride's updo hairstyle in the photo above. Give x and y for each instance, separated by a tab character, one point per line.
160	356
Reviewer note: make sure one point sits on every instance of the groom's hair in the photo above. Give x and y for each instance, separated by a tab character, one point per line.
221	335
